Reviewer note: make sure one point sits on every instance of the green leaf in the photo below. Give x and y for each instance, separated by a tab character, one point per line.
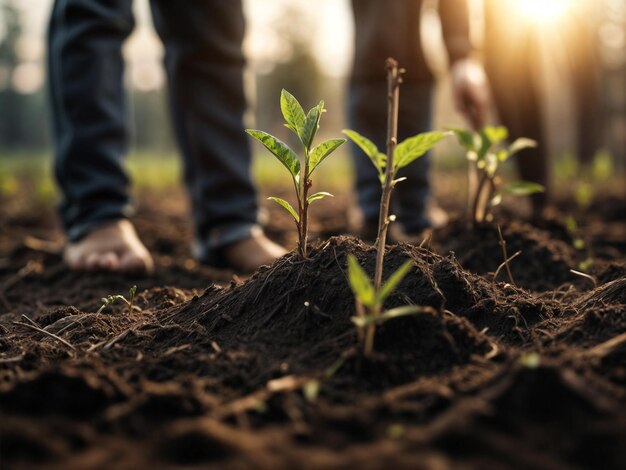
521	144
323	150
316	196
403	311
378	158
521	188
465	138
292	112
397	312
287	206
393	281
311	125
360	283
280	150
414	147
311	390
496	134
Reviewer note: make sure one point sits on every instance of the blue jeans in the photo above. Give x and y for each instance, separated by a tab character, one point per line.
204	64
367	112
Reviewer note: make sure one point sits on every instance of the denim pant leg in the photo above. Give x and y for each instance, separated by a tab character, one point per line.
85	69
204	62
367	114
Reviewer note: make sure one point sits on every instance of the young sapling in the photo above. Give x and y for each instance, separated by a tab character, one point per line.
369	298
305	126
485	153
370	302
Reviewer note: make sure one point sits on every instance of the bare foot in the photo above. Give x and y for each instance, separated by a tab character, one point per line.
251	253
111	247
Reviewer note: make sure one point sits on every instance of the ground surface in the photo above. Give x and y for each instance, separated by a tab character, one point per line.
224	375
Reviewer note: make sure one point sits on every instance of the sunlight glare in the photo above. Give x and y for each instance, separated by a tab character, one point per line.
543	11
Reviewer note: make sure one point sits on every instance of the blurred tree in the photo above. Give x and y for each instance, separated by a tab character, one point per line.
298	72
22	122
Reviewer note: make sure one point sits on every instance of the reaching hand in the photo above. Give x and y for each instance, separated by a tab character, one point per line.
471	91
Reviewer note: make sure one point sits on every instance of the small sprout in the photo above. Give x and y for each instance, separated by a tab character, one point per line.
305	126
130	302
370	301
586	264
485	153
396	431
530	360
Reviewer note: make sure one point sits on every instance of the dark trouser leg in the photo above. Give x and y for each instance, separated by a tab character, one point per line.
367	115
85	69
204	62
512	63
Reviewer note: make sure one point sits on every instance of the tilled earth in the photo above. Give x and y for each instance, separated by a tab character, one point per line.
213	370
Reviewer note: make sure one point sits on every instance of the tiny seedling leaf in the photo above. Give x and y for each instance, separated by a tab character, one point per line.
521	144
387	315
317	196
392	282
465	138
403	311
280	150
496	134
292	112
521	188
287	206
360	283
311	390
414	147
323	150
378	158
311	124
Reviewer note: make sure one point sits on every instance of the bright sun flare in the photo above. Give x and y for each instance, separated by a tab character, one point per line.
543	11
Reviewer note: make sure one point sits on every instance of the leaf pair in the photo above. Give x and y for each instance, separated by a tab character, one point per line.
373	300
405	153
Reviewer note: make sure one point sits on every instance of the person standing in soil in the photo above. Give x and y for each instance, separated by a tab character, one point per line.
514	66
204	63
392	29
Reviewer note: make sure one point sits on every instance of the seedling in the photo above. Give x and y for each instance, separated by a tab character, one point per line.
485	154
370	302
111	299
305	126
398	156
370	297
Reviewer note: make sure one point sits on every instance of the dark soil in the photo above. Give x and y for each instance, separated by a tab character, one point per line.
213	370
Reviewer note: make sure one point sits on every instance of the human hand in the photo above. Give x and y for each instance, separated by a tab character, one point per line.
470	90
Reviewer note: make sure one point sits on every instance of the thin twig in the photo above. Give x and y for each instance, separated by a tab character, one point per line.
505	256
10	360
30	321
119	337
495	276
586	276
394	78
44	332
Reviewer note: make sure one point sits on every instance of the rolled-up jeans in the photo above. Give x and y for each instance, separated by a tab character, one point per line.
204	64
367	113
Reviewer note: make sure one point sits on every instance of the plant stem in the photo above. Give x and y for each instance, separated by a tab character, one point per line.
304	207
476	218
505	256
393	97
